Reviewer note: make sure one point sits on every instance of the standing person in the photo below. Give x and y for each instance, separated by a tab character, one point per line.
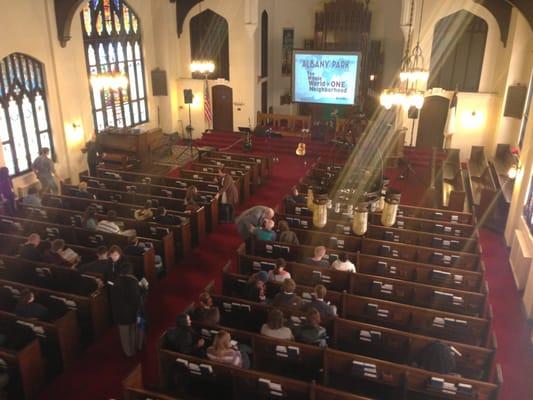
251	219
229	193
126	303
45	170
6	191
91	149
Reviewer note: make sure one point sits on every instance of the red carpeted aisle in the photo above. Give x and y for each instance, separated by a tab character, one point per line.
99	372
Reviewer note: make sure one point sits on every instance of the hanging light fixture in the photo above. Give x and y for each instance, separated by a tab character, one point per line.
320	212
204	67
416	71
390	210
360	219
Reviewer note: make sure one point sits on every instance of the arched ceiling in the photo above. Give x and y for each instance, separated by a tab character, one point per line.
501	9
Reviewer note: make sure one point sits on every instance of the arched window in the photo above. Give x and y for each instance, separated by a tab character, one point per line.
457	52
209	41
112	38
24	122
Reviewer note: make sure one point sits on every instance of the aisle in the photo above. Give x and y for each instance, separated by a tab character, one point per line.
98	374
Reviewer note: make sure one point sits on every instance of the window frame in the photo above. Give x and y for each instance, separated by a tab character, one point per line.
33	71
122	99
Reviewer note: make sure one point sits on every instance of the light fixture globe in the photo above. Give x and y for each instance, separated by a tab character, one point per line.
320	212
390	210
360	219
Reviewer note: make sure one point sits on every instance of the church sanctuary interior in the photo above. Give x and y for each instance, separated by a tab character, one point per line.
266	199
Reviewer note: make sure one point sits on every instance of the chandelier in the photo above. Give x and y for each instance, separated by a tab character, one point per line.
202	67
110	81
406	93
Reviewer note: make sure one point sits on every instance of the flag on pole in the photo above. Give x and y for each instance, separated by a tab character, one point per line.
208	115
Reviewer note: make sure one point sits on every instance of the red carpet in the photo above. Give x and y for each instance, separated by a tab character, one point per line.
99	373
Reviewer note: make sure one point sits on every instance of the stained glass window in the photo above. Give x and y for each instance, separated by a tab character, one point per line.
112	37
24	121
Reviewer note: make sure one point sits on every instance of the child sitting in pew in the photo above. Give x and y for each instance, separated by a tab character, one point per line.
205	312
324	308
288	298
223	351
265	232
275	327
310	331
278	274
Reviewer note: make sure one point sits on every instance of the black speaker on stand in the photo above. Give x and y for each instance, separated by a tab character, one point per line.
412	114
188	99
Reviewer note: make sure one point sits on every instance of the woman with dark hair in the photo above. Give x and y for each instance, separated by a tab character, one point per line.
278	274
286	235
310	332
89	220
229	193
274	326
192	198
205	312
6	191
183	338
126	303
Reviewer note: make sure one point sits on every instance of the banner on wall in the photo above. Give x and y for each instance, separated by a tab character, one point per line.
286	49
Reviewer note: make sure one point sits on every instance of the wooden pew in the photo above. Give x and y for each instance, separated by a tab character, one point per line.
472	330
236	165
133	387
377	231
265	163
451	184
136	200
59	337
77	236
208	199
483	187
180	234
242	173
21	354
242	183
378	266
125	211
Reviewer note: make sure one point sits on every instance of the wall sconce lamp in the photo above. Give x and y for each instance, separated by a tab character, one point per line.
512	172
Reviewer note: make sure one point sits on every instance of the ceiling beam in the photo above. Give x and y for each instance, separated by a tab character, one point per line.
182	9
526	8
65	10
501	10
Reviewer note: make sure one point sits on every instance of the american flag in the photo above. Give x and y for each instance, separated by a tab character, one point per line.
208	115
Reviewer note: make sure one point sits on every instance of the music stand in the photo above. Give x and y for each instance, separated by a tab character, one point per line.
247	132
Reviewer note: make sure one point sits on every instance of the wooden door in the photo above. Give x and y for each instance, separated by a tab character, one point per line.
222	108
432	122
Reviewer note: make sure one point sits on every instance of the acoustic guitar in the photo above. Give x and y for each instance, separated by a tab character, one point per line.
300	149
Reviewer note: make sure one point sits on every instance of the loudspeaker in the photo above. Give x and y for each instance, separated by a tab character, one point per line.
412	112
159	83
187	96
516	98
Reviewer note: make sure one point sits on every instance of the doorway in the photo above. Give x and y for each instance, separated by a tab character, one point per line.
433	116
222	108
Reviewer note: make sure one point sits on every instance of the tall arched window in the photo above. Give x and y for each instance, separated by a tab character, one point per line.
209	41
112	38
457	52
24	122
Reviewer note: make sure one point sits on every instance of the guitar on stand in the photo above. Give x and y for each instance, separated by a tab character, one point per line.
301	147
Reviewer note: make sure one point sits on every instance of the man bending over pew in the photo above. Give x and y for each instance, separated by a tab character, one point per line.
266	232
251	219
318	258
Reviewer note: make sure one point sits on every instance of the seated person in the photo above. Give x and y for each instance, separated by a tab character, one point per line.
255	287
222	350
278	274
343	263
205	312
192	198
163	218
30	249
310	332
266	231
32	199
318	302
82	191
274	326
437	357
287	298
58	254
286	235
27	307
144	213
136	248
183	338
101	266
318	258
89	219
110	225
295	197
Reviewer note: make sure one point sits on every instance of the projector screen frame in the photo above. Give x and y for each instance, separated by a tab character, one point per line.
329	52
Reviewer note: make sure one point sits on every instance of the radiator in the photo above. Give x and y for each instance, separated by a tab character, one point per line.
520	258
